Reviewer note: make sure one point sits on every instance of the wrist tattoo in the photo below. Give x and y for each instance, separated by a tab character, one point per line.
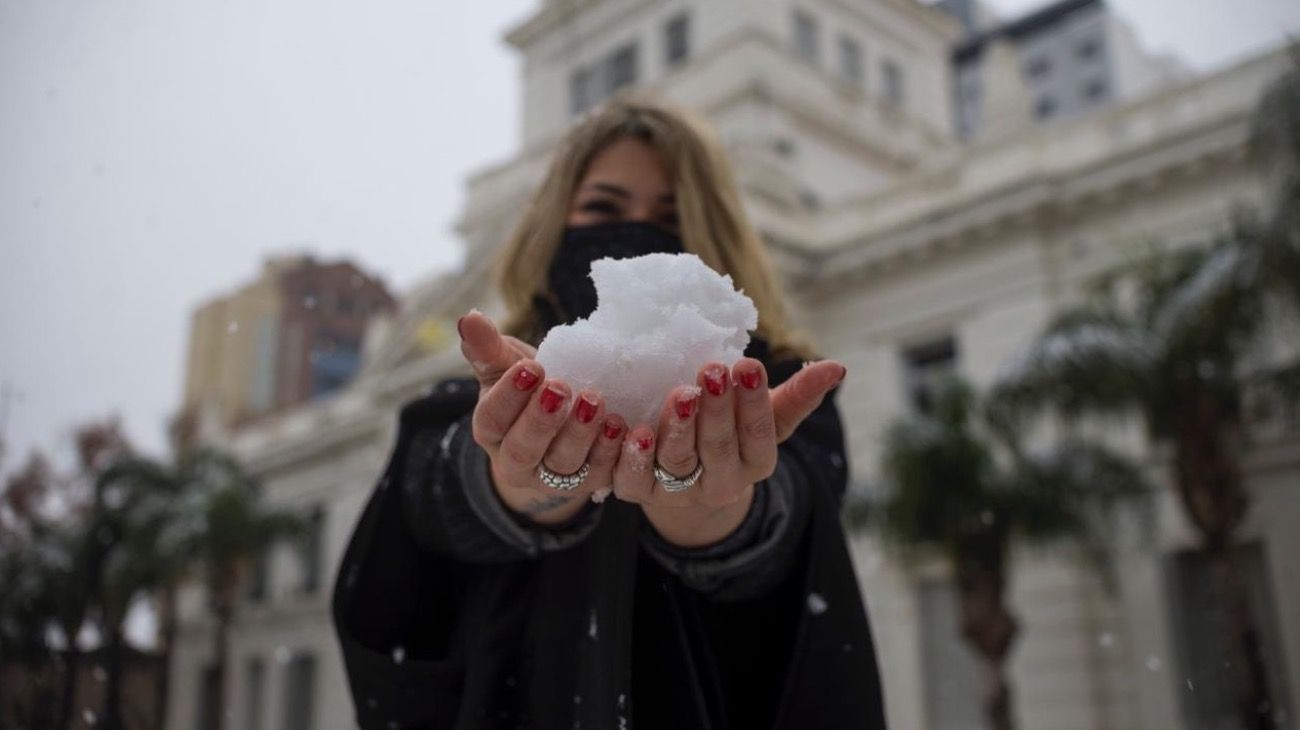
545	504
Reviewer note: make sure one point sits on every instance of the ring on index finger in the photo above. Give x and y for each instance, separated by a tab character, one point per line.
563	482
671	483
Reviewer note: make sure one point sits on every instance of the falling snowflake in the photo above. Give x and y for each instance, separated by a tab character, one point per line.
816	604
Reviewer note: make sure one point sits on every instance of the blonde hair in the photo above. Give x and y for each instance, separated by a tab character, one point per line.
713	223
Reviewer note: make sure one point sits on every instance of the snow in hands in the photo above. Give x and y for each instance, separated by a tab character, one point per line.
659	319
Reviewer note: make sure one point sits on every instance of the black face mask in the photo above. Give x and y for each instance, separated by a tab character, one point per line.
569	279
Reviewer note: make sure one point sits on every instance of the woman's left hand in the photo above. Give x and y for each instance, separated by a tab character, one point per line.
730	423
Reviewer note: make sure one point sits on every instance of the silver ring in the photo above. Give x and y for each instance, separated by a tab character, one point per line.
671	483
562	482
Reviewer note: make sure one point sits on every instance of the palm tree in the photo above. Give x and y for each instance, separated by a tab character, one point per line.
135	501
964	487
235	529
204	511
1176	338
49	561
35	574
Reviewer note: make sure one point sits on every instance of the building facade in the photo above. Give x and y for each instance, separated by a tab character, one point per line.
293	334
906	252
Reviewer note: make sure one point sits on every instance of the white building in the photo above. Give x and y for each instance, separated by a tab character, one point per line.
905	250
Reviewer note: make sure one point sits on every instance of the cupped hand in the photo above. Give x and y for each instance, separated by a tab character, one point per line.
523	420
731	423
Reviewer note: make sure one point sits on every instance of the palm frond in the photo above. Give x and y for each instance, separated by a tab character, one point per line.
1086	361
938	470
1216	312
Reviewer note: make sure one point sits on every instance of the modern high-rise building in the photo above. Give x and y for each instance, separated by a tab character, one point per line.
907	252
290	335
1072	56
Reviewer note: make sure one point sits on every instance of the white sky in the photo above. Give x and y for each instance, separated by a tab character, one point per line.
153	152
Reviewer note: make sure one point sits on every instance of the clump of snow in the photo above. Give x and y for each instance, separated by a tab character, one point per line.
816	604
658	320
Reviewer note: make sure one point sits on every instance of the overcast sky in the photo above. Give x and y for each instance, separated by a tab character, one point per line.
153	152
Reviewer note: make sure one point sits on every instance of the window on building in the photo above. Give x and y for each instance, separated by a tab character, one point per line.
261	391
1200	630
621	69
677	40
1038	68
1095	90
953	674
579	91
310	550
806	42
209	701
334	360
255	701
810	199
893	79
1046	107
1088	48
299	692
255	585
926	367
591	85
851	65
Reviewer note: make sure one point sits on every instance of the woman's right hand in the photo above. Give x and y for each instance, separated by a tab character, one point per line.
523	420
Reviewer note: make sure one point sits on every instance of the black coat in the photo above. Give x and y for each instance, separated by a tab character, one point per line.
430	641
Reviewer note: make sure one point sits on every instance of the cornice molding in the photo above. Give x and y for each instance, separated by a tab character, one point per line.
974	220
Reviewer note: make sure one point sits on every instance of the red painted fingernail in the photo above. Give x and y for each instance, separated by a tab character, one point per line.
551	399
686	406
612	429
586	410
715	380
460	327
525	379
645	442
751	379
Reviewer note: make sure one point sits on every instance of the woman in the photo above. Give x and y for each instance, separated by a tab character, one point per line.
481	588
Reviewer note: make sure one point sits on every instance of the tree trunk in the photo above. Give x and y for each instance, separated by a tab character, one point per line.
167	639
1212	492
1245	654
113	688
70	622
221	641
224	587
69	686
989	627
